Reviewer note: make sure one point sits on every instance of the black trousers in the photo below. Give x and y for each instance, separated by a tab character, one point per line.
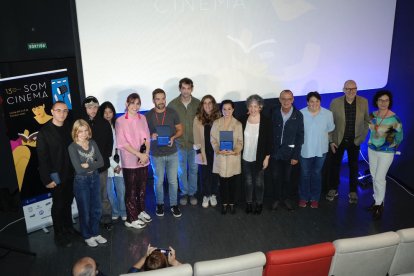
282	179
228	189
336	159
62	196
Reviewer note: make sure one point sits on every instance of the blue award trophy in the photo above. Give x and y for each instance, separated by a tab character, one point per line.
164	133
226	140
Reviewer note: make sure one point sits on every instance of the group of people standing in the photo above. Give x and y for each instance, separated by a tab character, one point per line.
110	157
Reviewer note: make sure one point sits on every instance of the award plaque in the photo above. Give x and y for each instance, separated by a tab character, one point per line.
226	140
55	177
164	133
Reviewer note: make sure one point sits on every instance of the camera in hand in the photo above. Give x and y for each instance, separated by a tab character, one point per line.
116	156
143	147
164	251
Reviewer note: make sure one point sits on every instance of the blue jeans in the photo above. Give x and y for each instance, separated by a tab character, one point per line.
168	164
187	171
311	177
86	189
116	195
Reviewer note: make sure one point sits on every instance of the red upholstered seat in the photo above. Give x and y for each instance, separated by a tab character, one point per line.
307	260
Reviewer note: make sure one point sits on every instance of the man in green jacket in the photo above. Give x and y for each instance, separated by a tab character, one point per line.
186	106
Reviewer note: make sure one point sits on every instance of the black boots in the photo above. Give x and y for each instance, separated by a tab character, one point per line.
377	211
249	207
258	208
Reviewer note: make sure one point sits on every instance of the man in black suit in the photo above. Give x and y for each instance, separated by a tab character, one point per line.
56	171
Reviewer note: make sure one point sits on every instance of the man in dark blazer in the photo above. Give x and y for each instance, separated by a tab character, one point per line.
288	136
351	119
56	171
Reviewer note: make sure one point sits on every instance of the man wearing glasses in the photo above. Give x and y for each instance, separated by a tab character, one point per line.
56	171
351	119
288	136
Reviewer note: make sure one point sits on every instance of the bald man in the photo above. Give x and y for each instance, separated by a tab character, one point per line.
351	119
86	267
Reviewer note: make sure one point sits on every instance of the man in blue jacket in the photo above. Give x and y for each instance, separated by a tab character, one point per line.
288	135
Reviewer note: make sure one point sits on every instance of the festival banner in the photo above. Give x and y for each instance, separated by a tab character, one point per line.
27	101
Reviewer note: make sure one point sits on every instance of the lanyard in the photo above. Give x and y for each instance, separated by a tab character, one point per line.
163	117
382	119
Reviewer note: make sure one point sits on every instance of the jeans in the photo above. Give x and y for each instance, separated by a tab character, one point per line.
135	186
116	194
253	180
187	171
168	164
353	152
86	189
379	163
106	204
311	178
282	177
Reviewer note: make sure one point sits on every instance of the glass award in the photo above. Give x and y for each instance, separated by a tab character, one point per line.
164	133
226	140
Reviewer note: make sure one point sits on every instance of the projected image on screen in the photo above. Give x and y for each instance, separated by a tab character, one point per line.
231	48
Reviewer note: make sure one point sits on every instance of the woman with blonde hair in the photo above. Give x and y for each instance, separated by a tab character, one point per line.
86	160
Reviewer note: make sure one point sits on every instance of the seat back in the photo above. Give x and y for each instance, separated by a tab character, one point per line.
179	270
404	256
245	265
307	260
368	255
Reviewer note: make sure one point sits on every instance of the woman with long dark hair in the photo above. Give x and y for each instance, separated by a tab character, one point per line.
207	113
115	185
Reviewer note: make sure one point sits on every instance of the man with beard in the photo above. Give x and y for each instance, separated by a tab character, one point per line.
165	126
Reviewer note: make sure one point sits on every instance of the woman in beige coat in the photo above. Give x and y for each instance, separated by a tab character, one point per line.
207	112
227	163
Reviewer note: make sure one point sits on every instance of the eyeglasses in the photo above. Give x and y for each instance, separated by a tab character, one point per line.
351	89
383	100
61	111
286	99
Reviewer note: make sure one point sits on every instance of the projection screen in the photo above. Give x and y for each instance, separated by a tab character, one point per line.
232	48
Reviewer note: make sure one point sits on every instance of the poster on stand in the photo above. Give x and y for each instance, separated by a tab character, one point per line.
27	101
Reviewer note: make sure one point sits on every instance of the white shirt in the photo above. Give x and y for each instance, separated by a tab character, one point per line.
251	137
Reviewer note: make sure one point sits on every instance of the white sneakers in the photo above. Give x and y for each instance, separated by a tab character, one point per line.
205	202
100	239
94	241
144	217
137	224
141	222
212	199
